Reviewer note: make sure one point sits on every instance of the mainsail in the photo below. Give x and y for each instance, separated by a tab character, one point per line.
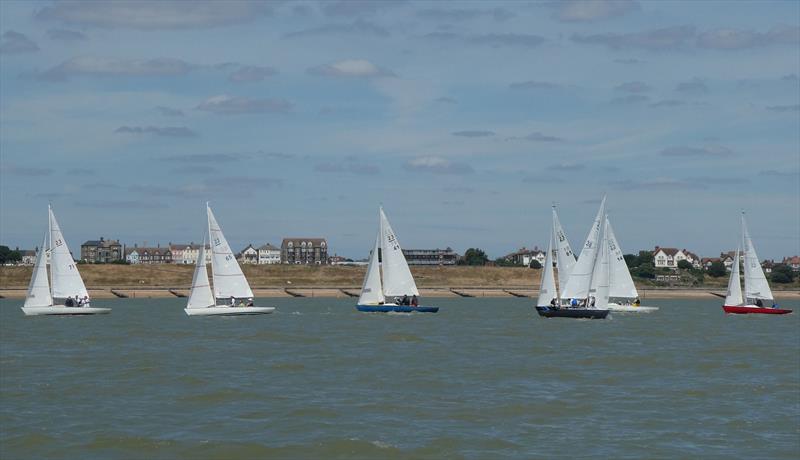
229	281
621	284
67	282
565	258
734	294
201	295
547	289
603	273
39	288
755	283
371	291
580	279
397	279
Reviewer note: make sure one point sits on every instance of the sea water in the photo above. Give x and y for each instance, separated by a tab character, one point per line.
483	378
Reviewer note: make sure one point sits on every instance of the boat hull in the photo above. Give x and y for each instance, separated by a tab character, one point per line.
752	309
63	310
396	309
630	308
228	311
586	313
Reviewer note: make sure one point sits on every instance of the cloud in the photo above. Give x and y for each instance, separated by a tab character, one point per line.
473	133
166	131
784	108
103	67
665	39
633	87
359	27
459	189
121	204
229	105
783	173
81	172
736	39
16	43
163	14
710	152
358	7
349	165
437	165
205	157
537	137
658	184
169	111
65	35
446	100
567	167
464	14
193	169
628	61
26	171
252	73
532	84
359	68
591	10
630	99
667	103
508	39
694	86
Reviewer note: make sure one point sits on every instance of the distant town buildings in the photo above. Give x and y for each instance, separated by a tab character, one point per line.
669	257
304	251
187	253
525	256
268	255
793	262
156	255
101	251
431	256
248	256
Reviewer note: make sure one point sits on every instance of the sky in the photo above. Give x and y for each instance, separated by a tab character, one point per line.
465	120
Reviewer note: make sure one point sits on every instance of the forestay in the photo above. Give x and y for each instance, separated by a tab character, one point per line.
39	289
67	281
565	258
755	283
547	288
580	279
371	291
201	295
734	295
397	279
229	281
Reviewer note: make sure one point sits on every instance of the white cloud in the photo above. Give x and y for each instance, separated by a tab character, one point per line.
105	67
228	105
359	27
734	39
360	68
252	73
163	131
592	10
438	165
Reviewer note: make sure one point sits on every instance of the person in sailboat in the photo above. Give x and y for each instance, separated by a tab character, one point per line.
554	303
414	301
86	301
233	301
759	303
68	302
591	301
637	302
404	300
250	302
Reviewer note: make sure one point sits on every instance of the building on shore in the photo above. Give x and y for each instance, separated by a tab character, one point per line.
187	254
670	257
28	256
431	256
304	251
248	256
144	255
269	255
101	251
525	256
793	262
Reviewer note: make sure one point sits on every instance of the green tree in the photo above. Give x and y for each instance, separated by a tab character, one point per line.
684	264
717	269
632	260
782	273
644	271
646	258
9	256
474	256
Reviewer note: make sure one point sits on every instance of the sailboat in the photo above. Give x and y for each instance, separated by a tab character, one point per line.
756	288
548	303
229	281
621	290
65	281
396	281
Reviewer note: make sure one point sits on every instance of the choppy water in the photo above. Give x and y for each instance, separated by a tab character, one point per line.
484	378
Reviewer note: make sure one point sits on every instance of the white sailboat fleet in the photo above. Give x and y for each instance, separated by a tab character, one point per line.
229	281
581	280
395	283
65	283
757	294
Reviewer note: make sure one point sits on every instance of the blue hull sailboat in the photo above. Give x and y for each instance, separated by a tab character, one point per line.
396	290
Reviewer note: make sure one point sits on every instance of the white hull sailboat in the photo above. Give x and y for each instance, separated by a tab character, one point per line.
396	283
65	282
622	291
229	281
757	293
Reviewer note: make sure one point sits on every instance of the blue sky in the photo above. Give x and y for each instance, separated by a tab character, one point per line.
465	119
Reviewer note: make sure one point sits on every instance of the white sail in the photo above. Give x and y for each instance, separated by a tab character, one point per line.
755	283
603	273
39	288
67	282
621	285
565	258
580	279
397	279
201	295
734	294
229	281
547	288
371	290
